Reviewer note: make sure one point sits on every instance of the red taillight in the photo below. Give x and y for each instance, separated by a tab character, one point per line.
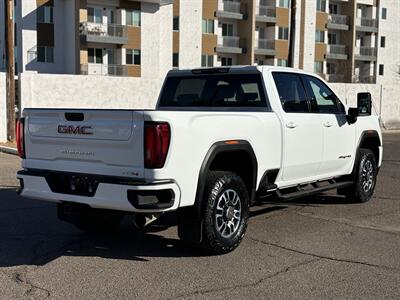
20	138
156	143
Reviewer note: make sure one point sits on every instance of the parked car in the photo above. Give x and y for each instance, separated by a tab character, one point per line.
219	140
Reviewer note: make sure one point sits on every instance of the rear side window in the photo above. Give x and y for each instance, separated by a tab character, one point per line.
291	92
219	90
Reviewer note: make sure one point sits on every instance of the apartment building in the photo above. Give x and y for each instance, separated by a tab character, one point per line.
342	40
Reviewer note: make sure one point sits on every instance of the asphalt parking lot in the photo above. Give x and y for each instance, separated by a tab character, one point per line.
319	247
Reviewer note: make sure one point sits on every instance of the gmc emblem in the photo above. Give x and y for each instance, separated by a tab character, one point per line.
77	130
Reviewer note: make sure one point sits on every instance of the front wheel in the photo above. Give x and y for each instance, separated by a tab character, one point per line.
365	176
226	212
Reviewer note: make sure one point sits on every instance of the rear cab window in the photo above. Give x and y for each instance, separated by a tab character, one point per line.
214	90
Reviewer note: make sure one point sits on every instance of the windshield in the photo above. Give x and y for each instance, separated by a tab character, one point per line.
219	90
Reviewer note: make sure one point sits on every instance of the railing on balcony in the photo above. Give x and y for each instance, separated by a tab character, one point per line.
230	6
364	79
337	49
367	22
105	32
338	19
229	41
334	77
265	44
104	70
366	51
266	11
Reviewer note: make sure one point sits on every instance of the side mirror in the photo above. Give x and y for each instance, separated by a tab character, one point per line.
364	104
352	115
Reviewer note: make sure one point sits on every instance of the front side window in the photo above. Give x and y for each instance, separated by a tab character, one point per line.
44	14
220	90
283	33
325	100
132	57
291	92
95	15
133	18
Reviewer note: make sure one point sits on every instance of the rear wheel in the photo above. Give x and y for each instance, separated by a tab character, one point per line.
226	212
365	175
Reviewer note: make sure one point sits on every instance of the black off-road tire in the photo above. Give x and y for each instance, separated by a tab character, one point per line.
365	175
218	184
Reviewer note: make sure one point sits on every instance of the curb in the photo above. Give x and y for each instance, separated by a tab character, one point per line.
8	150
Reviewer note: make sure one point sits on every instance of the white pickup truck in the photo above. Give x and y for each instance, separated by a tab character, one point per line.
219	140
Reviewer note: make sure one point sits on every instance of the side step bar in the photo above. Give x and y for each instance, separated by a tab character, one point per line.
315	190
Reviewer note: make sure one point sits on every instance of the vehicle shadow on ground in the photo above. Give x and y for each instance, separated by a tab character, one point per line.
31	234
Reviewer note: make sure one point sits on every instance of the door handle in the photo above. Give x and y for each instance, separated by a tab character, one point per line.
328	124
291	125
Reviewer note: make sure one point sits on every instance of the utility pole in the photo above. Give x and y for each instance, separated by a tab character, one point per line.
9	14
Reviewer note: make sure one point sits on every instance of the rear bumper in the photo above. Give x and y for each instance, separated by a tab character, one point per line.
109	194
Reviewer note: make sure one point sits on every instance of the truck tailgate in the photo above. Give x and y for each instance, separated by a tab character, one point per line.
105	142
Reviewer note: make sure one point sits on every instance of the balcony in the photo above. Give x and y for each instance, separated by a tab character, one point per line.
367	25
338	22
266	14
337	52
104	33
230	44
230	10
334	77
104	70
364	79
265	47
365	53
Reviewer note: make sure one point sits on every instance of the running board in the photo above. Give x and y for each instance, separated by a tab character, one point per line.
315	190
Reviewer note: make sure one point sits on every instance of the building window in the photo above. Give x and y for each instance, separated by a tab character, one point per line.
283	62
321	5
381	70
333	9
95	55
227	29
284	3
175	60
319	67
383	41
175	24
283	33
44	14
207	60
384	13
226	61
45	54
332	38
208	26
132	57
95	15
133	18
331	68
319	36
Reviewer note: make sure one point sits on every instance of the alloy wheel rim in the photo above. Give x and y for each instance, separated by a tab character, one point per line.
228	213
367	176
